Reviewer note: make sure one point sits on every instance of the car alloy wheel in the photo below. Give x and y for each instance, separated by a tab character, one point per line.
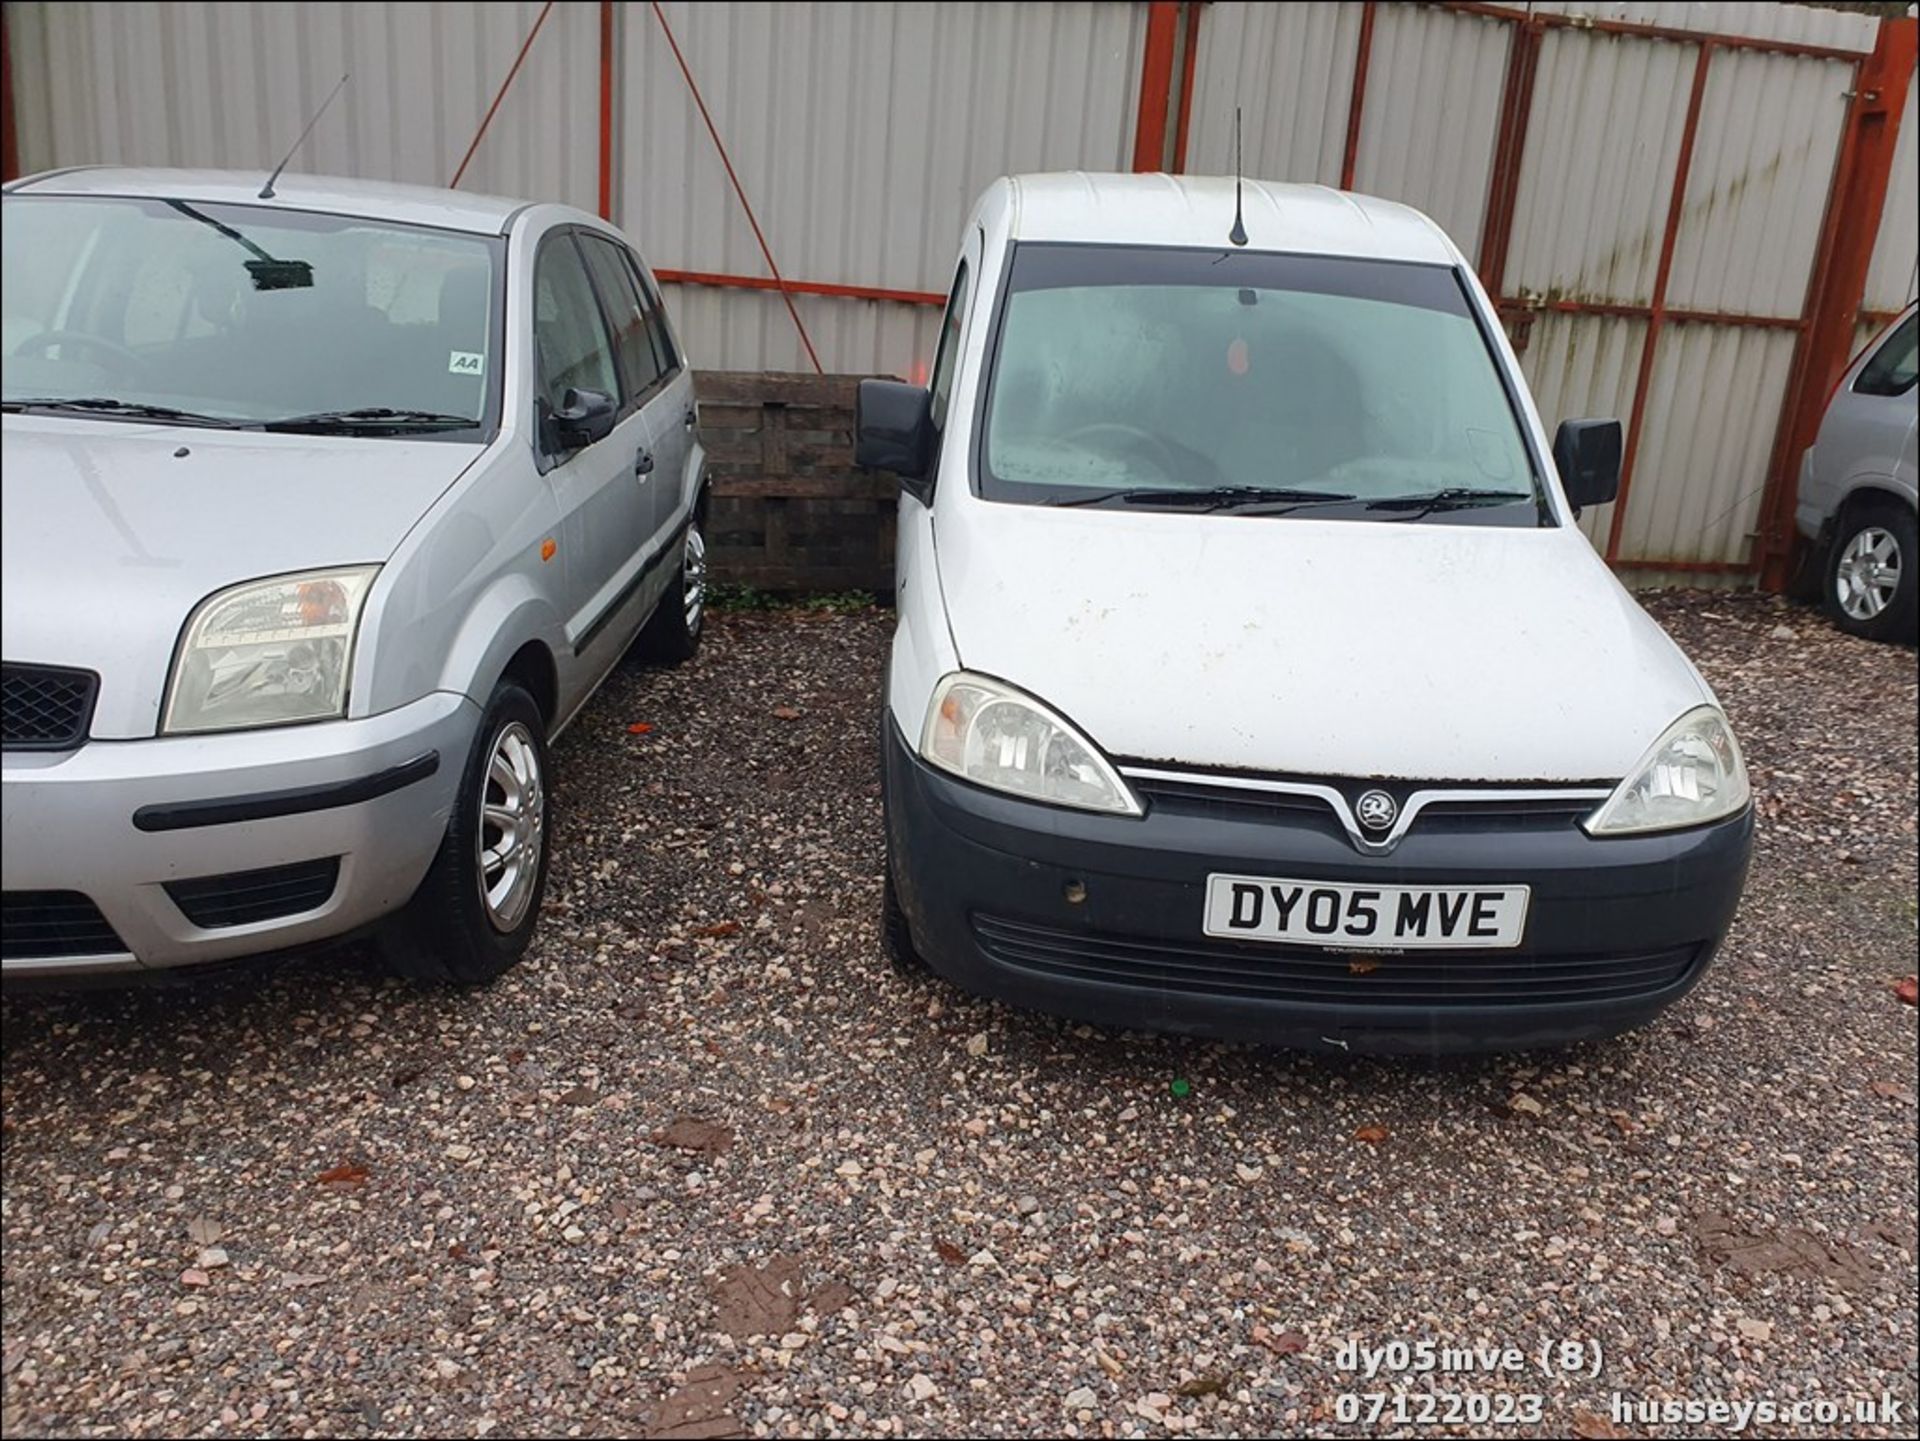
694	577
513	808
1868	575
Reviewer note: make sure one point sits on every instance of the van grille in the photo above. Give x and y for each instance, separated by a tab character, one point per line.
1279	973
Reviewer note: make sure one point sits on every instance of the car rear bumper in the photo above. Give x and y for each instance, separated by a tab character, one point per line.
126	855
1099	918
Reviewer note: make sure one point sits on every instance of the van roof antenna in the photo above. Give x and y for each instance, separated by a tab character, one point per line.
266	191
1238	235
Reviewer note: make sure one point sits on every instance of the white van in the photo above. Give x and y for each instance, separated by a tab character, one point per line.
1251	677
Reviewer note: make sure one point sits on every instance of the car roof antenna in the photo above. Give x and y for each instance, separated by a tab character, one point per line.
266	191
1238	235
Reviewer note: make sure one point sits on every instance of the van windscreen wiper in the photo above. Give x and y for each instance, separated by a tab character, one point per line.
370	418
1454	497
131	409
1219	497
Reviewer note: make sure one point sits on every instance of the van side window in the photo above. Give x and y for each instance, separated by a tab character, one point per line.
569	336
1893	367
947	356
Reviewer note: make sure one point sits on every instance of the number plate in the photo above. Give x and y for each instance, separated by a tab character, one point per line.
1375	918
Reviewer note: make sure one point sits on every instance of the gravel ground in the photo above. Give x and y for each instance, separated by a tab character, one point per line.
705	1164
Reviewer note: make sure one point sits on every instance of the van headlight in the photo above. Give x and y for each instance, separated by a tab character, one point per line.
1693	774
270	652
993	735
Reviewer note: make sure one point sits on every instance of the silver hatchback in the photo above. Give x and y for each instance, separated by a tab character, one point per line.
323	512
1857	489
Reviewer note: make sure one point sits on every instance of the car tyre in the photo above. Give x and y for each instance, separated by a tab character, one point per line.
474	914
672	633
1873	571
896	938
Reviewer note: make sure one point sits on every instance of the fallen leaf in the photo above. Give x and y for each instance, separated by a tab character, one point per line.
458	1250
949	1253
580	1096
1908	989
785	712
691	1134
1212	1383
696	1410
347	1173
831	1299
639	728
758	1300
1588	1427
719	928
1889	1090
1793	1252
204	1231
1362	966
1372	1135
1281	1343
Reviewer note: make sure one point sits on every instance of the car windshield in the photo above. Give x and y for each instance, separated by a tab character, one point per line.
145	308
1203	380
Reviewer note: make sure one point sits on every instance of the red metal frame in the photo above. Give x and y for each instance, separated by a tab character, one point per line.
1558	20
1503	184
1633	310
606	109
1848	232
1357	104
1190	54
500	94
798	287
1686	567
1156	86
9	141
1657	312
779	282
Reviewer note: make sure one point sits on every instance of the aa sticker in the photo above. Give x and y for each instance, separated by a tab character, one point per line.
465	362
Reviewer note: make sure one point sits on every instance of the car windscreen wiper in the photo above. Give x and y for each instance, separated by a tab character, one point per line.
1454	497
1219	497
131	409
371	417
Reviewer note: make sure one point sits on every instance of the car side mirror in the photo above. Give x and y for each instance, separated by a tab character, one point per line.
893	430
584	416
1587	455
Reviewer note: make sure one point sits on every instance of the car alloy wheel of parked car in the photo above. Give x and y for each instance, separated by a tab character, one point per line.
1870	583
673	635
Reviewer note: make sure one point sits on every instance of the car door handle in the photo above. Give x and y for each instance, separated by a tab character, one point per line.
690	418
643	463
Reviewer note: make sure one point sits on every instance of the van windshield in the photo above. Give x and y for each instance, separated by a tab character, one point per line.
1203	380
135	308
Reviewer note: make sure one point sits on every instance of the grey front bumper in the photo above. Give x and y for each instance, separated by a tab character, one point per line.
210	805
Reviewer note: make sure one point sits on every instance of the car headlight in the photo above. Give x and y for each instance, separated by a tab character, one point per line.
1691	775
993	735
270	652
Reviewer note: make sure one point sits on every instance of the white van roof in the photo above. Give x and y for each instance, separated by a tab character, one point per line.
1197	210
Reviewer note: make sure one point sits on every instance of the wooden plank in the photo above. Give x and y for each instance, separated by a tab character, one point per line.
860	485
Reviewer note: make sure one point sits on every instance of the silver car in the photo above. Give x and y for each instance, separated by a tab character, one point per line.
323	513
1858	489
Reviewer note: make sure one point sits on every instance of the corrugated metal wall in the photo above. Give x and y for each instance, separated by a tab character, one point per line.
862	132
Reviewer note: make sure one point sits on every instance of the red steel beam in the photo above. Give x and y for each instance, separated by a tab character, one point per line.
1156	86
500	94
1689	567
1602	26
1676	202
1521	305
9	141
1839	281
798	287
1503	185
1189	56
1357	104
606	109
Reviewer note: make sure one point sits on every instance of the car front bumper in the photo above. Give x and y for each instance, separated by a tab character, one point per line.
112	824
1099	918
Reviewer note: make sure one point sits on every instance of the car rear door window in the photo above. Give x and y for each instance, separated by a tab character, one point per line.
1894	365
621	296
569	335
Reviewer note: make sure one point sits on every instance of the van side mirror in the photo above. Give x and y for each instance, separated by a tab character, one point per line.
893	430
584	416
1587	455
